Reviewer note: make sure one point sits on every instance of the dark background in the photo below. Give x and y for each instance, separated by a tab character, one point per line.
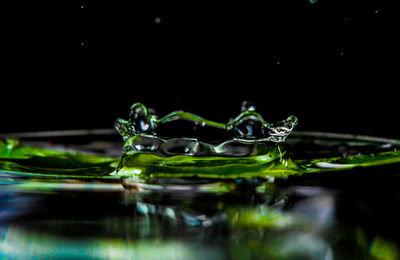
81	64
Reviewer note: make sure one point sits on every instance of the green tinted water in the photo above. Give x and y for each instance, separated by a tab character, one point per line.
255	193
66	203
21	159
249	147
17	158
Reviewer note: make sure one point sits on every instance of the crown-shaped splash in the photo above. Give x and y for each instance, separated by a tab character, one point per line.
248	126
248	144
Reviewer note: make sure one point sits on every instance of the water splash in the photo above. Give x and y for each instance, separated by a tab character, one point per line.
248	127
247	147
249	144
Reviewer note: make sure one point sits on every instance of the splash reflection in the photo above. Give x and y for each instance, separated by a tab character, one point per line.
332	215
254	220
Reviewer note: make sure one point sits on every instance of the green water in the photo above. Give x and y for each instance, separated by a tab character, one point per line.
21	159
17	158
311	197
248	147
258	191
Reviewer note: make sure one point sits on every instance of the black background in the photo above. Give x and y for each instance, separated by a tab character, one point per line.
81	64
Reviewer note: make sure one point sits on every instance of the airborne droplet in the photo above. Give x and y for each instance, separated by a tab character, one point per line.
157	20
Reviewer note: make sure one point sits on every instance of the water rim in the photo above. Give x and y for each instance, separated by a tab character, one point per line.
112	131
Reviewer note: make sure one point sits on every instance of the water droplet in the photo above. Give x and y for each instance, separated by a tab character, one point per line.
157	20
140	118
276	60
249	128
247	106
82	6
313	1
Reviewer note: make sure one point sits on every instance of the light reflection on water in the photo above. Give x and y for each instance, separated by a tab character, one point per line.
28	245
295	222
335	215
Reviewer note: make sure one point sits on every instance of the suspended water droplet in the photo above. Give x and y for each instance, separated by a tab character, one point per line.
249	129
249	124
140	118
157	20
313	1
247	106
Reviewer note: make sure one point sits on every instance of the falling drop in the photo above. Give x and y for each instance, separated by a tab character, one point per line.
313	1
157	20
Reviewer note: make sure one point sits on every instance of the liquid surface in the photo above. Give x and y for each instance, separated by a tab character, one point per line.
62	198
271	162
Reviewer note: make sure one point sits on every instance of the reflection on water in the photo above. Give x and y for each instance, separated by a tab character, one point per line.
253	220
349	214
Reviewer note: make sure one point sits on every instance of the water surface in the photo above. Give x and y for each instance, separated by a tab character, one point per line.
67	202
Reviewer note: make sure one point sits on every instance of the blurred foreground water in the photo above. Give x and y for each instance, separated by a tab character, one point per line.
351	214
